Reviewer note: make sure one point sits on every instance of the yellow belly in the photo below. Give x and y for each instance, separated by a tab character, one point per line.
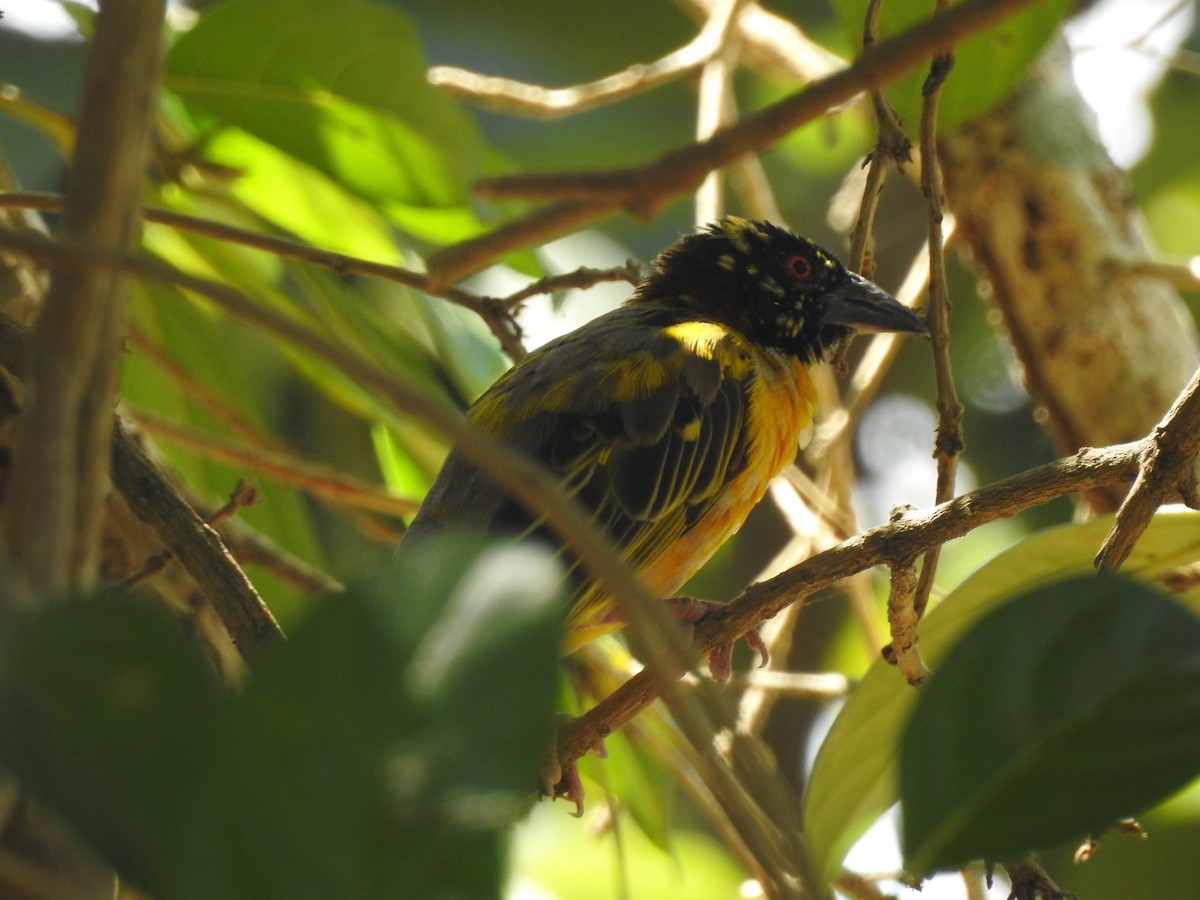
779	415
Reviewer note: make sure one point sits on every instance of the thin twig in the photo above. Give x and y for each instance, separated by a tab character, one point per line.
715	107
312	477
583	277
1183	275
797	685
891	146
251	548
242	495
537	102
774	46
948	445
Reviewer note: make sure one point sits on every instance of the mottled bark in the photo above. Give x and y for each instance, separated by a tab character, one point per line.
1048	219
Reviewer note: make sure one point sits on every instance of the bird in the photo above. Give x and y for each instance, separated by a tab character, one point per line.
667	417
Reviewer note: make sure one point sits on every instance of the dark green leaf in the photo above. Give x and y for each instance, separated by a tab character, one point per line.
488	669
1069	707
854	778
378	752
108	717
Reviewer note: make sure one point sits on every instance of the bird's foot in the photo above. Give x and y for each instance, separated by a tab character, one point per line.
691	610
560	777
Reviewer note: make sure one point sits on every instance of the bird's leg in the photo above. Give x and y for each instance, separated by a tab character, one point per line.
691	610
560	778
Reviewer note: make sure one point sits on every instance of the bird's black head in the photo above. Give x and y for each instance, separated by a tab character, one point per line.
777	289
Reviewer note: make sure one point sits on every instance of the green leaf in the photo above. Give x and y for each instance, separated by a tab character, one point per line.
378	752
106	718
853	781
340	87
986	68
299	199
488	666
1067	708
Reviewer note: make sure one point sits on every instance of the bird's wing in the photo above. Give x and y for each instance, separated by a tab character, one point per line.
642	421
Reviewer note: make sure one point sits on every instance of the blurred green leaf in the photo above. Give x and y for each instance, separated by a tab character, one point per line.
1085	683
340	87
574	864
496	640
378	752
986	68
853	781
107	717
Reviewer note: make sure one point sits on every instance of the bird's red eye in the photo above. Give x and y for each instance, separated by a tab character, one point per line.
800	265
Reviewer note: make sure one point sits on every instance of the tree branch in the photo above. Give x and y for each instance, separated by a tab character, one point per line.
1167	467
589	196
52	515
912	534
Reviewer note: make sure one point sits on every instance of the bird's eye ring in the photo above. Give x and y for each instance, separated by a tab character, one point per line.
799	265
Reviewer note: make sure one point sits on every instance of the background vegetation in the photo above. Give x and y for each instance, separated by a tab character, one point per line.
321	282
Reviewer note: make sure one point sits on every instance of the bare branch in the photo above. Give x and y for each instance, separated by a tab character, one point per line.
494	315
1167	467
587	197
55	502
911	535
948	444
534	101
319	480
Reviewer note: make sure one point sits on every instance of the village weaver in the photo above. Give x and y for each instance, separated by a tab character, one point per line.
667	418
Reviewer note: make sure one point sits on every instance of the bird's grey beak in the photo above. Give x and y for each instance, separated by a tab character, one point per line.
863	306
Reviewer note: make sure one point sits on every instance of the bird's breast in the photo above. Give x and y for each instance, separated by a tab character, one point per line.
781	402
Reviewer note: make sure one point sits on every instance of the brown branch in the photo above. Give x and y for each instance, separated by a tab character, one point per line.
316	479
250	548
497	318
891	145
948	444
242	495
197	547
534	101
590	196
583	277
55	502
911	535
773	46
902	621
1167	466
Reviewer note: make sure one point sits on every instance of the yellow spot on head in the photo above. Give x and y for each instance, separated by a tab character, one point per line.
727	262
771	285
736	229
